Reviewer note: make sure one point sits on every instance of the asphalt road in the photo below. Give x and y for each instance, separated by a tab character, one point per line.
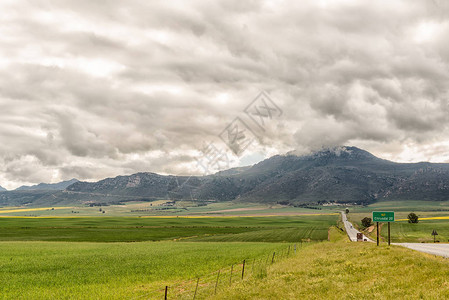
435	249
352	232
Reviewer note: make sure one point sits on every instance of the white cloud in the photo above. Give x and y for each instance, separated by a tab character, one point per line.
89	90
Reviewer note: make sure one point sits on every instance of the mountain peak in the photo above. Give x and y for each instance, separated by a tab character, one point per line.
347	152
344	152
2	189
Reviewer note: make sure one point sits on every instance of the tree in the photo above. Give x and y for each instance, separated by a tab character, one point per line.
347	211
366	222
412	218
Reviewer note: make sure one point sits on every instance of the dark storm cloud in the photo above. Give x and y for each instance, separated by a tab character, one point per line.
91	89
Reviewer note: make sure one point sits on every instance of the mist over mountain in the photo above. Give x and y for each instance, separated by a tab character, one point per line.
2	189
341	174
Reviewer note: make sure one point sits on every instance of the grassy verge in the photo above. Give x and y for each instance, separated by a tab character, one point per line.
343	270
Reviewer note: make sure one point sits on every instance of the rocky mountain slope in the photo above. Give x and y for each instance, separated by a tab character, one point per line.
343	174
48	186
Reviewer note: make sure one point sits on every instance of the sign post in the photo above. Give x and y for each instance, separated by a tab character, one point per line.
377	223
383	216
434	233
388	233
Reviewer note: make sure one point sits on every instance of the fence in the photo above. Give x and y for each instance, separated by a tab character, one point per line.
212	283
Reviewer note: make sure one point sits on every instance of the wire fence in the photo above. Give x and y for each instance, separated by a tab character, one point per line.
216	281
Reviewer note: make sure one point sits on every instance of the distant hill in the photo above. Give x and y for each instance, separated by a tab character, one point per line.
48	186
2	189
341	174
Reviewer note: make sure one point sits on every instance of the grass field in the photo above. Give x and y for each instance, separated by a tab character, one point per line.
403	232
344	270
60	270
404	207
89	257
62	257
254	229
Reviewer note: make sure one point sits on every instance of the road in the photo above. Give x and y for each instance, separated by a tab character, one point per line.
352	232
435	249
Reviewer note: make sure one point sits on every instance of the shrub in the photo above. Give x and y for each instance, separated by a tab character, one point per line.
412	218
366	222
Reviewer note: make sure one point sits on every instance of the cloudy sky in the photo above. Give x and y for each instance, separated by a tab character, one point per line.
94	89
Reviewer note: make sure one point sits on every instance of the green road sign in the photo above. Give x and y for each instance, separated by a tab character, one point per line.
383	216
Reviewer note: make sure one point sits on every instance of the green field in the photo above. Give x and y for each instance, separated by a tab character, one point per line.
132	257
404	207
58	270
403	232
254	229
88	257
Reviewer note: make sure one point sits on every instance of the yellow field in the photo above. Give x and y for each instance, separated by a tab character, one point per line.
31	209
429	218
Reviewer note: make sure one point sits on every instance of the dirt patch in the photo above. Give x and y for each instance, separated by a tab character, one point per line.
371	228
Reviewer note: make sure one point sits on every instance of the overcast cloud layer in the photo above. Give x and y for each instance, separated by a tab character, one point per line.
94	89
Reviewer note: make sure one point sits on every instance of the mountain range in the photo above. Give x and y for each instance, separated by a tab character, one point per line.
341	174
48	186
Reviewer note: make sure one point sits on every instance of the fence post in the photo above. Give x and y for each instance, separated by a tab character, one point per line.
243	269
216	284
295	248
230	276
166	290
272	260
196	289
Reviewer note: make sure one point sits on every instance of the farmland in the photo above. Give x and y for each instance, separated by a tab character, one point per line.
156	229
55	270
162	208
116	257
90	257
